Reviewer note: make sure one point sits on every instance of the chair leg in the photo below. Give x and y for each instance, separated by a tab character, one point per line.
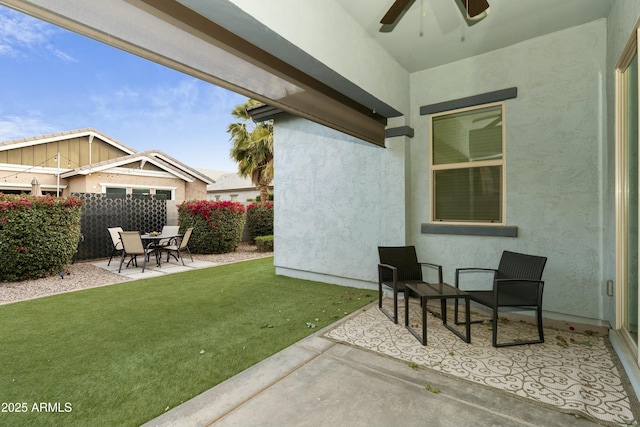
113	252
121	261
133	260
395	306
509	344
540	328
190	256
144	262
494	327
170	253
385	312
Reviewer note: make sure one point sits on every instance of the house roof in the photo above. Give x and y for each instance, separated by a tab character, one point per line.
232	181
155	157
212	173
179	165
59	136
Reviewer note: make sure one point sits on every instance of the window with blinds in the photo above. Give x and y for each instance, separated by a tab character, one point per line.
467	165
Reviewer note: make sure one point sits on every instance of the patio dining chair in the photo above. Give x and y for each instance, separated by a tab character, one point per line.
168	230
175	250
399	264
516	283
115	240
132	247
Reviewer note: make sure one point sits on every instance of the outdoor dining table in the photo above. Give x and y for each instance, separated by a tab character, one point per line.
151	242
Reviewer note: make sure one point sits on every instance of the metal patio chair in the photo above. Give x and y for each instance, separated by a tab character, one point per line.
168	230
516	283
115	240
399	264
132	247
175	250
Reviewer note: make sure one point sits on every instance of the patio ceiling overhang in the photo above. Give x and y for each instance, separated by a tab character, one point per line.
169	33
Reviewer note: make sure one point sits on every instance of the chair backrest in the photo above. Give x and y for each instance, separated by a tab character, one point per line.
514	265
115	237
185	239
170	229
403	258
132	242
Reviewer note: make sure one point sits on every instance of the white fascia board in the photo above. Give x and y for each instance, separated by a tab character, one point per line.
139	172
54	138
30	169
119	167
26	185
119	185
181	166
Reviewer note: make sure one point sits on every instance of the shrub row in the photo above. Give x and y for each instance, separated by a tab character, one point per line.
260	220
264	243
38	235
217	225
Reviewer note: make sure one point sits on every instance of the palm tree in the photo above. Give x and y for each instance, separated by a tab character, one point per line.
253	148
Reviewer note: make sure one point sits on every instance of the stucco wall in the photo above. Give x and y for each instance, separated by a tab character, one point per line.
334	199
337	199
554	149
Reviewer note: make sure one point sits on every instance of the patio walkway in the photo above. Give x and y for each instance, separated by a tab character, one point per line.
334	378
151	270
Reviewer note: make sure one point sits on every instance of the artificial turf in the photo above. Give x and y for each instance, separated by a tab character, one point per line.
123	354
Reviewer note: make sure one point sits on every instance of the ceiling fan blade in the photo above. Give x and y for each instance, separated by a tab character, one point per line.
395	12
474	10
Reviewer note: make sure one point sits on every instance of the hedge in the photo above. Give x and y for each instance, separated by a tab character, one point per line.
39	235
260	220
217	226
264	243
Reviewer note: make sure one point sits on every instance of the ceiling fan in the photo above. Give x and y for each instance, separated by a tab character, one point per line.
472	10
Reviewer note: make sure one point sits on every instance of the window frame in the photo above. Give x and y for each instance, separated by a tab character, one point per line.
502	162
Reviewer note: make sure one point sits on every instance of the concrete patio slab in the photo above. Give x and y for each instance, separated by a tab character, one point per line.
318	382
151	269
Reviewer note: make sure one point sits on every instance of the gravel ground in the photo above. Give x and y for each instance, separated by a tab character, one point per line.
82	275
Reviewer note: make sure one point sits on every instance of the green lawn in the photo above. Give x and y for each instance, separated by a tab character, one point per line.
123	354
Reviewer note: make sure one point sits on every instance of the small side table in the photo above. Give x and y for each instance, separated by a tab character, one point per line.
441	291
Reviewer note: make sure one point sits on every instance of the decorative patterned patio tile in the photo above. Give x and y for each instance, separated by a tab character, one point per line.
570	372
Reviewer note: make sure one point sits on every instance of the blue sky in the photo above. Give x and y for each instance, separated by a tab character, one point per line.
53	80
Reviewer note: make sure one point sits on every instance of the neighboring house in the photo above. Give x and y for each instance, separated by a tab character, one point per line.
562	183
87	161
231	186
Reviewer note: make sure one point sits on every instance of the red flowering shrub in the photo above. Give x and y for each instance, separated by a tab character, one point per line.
260	220
217	226
38	235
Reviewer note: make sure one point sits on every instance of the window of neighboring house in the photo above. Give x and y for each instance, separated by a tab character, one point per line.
166	193
12	191
140	191
234	197
112	190
467	165
217	196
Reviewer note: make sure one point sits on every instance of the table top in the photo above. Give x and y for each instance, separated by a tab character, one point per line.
159	236
434	290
